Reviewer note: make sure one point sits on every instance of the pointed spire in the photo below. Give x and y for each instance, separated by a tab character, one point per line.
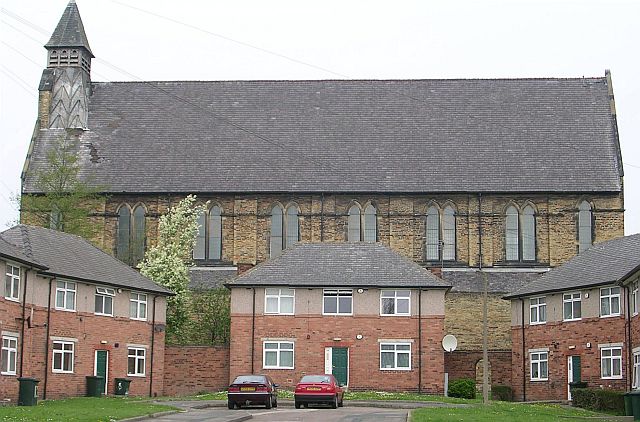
70	31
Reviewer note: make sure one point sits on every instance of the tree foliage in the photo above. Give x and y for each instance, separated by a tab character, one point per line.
209	318
167	263
65	201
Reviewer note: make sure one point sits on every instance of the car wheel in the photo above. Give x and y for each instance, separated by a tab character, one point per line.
334	403
268	403
297	405
230	405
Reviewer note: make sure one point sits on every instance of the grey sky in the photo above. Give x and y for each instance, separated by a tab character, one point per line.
212	40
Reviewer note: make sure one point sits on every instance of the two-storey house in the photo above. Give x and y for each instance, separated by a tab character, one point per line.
359	311
69	310
570	324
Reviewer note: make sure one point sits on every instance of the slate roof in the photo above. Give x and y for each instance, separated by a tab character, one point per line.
70	30
498	282
11	252
458	135
72	257
603	263
210	278
352	264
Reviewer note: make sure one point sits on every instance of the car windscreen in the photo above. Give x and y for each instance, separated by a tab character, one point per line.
316	378
244	379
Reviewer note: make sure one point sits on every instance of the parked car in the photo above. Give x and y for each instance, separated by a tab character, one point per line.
252	389
318	389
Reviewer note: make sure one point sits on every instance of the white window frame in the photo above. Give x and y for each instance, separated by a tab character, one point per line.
13	293
395	352
277	294
610	359
610	297
573	297
536	358
340	293
636	370
634	298
137	301
62	352
137	358
104	293
395	299
12	354
66	290
278	352
537	306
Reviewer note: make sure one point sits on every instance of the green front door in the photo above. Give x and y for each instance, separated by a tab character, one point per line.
575	369
340	364
101	367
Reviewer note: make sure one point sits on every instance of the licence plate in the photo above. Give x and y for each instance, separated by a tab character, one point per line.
247	388
314	388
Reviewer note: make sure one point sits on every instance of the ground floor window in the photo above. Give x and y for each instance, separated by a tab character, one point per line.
137	360
63	352
395	356
611	362
539	366
636	370
9	355
278	355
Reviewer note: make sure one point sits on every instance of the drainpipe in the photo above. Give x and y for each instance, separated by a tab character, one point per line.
629	345
253	329
24	305
419	340
153	337
46	345
524	359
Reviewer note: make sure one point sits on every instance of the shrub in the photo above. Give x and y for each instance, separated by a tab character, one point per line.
501	392
464	388
598	399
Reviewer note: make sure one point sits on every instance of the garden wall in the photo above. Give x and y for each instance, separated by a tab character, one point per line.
195	369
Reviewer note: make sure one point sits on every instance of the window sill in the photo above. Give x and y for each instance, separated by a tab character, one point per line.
610	316
137	375
99	314
276	367
278	313
59	371
572	320
64	309
395	315
539	380
138	319
323	314
396	369
617	377
11	374
538	323
12	299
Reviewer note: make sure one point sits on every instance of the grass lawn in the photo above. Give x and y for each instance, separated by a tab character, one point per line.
81	409
502	411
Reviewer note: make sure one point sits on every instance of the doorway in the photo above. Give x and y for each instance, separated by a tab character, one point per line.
573	373
101	368
336	362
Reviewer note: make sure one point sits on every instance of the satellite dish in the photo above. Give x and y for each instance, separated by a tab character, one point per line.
449	343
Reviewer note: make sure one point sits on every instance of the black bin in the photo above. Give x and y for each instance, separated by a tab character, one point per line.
95	385
28	393
635	404
122	386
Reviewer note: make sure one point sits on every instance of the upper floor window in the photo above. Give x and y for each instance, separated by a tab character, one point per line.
538	310
279	301
362	226
209	238
337	302
520	234
130	244
66	295
634	298
571	306
285	229
12	283
138	306
585	226
441	238
610	301
104	301
395	302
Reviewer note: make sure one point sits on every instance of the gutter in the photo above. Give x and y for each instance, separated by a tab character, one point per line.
558	290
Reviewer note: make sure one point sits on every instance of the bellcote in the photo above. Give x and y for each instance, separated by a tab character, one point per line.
69	46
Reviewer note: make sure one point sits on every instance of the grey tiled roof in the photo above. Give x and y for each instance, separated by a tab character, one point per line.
352	264
12	252
497	282
70	30
466	135
70	256
210	278
603	263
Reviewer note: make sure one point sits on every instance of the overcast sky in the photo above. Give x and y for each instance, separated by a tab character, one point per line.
242	39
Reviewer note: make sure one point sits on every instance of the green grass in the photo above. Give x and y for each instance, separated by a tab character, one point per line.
81	409
502	411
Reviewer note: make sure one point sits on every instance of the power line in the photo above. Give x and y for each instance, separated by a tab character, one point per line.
18	83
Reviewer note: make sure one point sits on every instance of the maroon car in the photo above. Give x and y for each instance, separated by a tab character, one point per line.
252	389
318	389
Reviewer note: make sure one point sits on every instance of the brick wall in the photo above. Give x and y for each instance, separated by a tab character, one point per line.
194	369
566	339
462	364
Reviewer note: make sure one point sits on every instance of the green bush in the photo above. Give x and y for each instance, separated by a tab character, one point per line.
464	388
598	399
501	392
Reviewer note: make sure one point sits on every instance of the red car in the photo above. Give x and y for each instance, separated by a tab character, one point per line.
252	389
318	389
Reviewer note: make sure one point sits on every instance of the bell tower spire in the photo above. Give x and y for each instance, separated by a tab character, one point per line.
66	82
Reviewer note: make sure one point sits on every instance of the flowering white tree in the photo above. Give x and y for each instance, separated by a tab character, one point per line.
167	263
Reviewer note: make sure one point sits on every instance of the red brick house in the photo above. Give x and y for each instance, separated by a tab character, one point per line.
574	324
358	310
68	310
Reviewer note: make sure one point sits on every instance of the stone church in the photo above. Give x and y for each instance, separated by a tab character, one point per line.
509	176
